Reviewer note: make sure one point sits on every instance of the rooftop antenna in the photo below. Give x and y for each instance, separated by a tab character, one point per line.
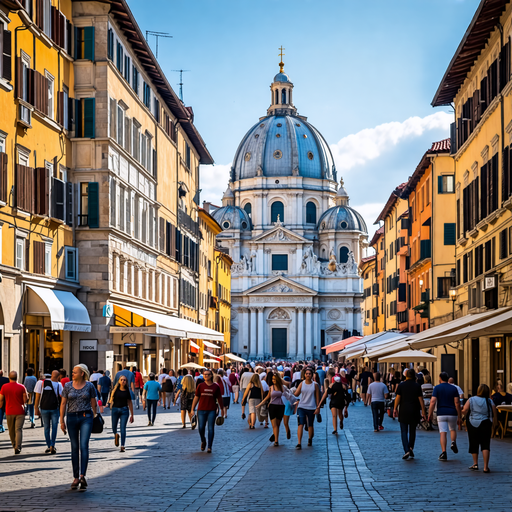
181	71
157	35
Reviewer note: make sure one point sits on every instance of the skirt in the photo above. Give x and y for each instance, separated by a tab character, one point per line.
276	411
253	402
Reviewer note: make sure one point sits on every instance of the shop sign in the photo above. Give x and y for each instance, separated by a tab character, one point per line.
108	310
125	330
88	345
490	282
130	344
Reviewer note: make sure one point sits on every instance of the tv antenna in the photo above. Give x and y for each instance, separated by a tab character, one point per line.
157	35
181	71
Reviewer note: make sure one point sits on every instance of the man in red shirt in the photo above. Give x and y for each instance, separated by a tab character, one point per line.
139	385
208	394
63	379
13	397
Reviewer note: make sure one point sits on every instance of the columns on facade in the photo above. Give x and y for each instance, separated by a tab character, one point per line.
243	329
292	349
253	338
261	336
309	335
300	333
358	325
316	333
350	319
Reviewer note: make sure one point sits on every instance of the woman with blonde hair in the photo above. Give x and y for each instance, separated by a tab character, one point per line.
187	392
121	406
253	395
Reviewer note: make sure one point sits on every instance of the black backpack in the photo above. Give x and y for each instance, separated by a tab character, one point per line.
49	399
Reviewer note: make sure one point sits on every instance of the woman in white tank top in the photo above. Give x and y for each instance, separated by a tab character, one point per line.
309	392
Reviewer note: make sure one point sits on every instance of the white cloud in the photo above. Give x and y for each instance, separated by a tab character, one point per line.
213	182
369	211
368	144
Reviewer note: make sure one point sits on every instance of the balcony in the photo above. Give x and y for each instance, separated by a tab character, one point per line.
186	221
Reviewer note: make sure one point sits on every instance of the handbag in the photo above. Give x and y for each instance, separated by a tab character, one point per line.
97	424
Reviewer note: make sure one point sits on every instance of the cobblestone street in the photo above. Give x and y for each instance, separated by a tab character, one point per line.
163	470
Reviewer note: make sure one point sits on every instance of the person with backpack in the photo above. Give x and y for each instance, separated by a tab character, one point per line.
47	403
340	400
167	392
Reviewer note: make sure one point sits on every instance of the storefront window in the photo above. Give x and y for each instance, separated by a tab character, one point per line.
32	350
53	351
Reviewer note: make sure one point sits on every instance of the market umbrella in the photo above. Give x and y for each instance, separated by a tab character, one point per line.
408	356
192	365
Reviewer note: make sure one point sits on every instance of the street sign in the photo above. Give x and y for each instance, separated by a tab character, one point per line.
88	345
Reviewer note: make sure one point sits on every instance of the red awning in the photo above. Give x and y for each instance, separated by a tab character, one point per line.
340	345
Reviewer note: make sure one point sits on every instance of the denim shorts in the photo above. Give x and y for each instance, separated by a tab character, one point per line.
306	414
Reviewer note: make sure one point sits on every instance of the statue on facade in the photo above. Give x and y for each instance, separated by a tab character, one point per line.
332	261
252	261
307	261
351	263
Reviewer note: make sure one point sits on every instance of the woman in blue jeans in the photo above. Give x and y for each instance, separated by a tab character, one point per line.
79	405
208	395
122	408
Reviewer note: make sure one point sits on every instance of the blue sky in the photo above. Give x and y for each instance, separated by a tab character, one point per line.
365	73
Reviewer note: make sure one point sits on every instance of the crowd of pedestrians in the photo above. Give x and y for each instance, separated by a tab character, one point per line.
270	393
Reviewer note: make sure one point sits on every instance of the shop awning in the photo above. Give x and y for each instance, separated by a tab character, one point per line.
206	353
174	326
214	361
232	357
408	356
210	345
66	312
340	345
194	347
361	347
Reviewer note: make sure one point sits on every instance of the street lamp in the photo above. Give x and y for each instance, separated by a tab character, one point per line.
497	345
453	297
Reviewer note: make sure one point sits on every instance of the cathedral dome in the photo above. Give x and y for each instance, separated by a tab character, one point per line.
342	218
232	217
283	145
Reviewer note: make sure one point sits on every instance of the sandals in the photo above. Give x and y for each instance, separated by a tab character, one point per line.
276	444
474	467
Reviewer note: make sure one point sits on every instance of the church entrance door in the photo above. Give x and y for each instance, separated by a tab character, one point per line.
279	337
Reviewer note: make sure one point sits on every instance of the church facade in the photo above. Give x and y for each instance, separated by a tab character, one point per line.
294	238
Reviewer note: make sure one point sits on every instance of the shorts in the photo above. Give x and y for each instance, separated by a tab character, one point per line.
226	400
364	390
235	389
304	415
446	423
276	411
479	437
253	402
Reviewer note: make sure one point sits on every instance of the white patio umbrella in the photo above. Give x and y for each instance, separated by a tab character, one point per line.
192	365
408	356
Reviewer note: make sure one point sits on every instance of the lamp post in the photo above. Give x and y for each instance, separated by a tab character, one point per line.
453	297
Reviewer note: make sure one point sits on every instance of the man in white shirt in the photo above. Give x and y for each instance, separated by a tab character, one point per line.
163	375
173	377
451	381
378	392
95	377
296	375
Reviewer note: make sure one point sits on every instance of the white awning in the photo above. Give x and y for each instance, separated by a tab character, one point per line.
174	326
210	345
195	345
367	343
206	353
233	358
66	312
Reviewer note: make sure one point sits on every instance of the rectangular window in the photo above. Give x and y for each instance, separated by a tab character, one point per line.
20	253
48	259
120	125
427	192
446	184
121	208
449	234
443	287
187	155
503	244
127	68
147	95
84	43
110	44
136	140
120	58
51	94
85	114
143	147
65	108
135	80
71	260
279	262
5	53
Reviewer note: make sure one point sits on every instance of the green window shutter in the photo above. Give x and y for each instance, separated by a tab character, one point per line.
88	43
439	184
75	45
93	211
449	234
89	117
79	127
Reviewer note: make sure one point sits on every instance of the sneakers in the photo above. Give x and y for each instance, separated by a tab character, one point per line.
381	427
406	456
411	453
298	447
443	456
454	447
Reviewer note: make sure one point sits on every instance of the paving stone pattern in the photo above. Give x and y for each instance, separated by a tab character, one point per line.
163	470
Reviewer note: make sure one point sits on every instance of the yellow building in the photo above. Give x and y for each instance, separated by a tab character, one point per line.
378	290
38	259
222	273
477	82
392	240
367	269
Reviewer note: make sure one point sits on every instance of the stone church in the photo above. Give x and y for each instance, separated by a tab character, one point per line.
295	240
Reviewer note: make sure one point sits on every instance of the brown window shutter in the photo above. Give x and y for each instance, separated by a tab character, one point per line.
39	258
55	24
3	177
62	28
7	55
27	255
19	78
24	187
162	234
40	14
41	191
173	241
44	94
60	108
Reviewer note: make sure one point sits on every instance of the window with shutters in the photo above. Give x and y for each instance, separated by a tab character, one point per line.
110	44
187	156
71	263
449	234
143	149
51	95
85	117
84	43
136	140
147	95
120	57
48	258
121	207
20	253
127	68
58	199
135	79
488	256
503	244
446	184
38	249
128	203
120	125
443	287
113	202
5	52
23	90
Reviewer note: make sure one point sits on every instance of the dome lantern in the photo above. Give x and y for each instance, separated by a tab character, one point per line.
228	199
281	102
342	198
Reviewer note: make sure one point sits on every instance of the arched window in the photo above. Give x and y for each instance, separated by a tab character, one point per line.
283	97
248	209
310	212
277	96
344	254
276	209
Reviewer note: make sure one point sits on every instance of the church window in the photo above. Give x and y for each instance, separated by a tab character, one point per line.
310	155
283	97
278	154
280	262
344	254
226	225
277	96
247	156
343	224
310	212
248	209
277	209
278	135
